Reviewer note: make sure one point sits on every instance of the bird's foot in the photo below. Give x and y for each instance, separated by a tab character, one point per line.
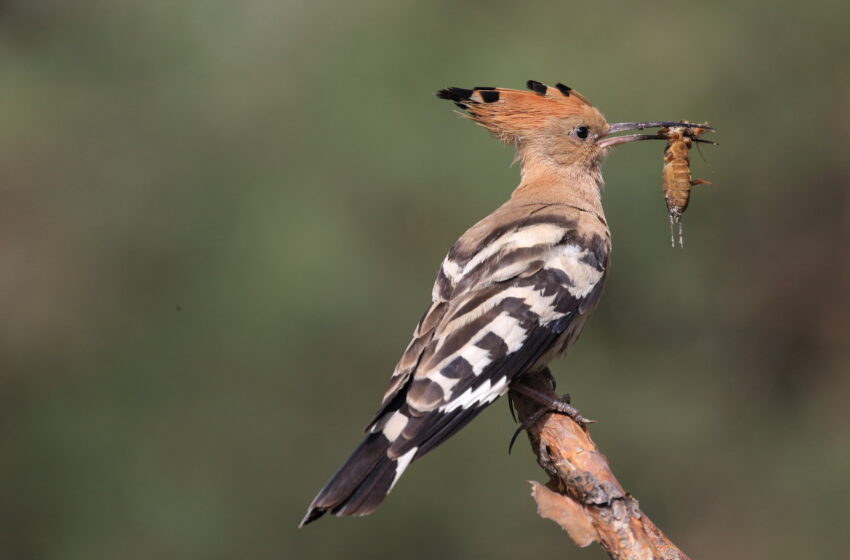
550	404
563	406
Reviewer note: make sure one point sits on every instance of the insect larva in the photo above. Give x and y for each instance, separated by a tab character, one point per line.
676	175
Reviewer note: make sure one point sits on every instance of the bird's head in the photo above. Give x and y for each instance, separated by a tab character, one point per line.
548	125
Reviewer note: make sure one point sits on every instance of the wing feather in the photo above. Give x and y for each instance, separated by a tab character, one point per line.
490	333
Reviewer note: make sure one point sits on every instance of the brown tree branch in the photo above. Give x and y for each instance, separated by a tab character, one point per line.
582	494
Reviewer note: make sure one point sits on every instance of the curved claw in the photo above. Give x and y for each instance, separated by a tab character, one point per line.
529	422
513	439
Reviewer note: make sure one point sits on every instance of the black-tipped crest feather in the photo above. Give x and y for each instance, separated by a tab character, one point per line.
536	87
564	89
454	93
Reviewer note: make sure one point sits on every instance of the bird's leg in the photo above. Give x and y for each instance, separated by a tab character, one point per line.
565	398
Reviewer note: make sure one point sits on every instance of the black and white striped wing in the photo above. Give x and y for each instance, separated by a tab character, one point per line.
508	307
486	338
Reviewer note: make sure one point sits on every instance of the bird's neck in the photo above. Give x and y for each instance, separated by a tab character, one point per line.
558	184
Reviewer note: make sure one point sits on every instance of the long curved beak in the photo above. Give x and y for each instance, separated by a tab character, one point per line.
606	140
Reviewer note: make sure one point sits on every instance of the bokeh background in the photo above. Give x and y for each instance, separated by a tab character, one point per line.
220	222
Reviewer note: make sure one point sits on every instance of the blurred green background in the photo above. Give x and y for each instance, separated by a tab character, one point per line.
220	222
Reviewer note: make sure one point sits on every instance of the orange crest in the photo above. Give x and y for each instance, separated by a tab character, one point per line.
513	115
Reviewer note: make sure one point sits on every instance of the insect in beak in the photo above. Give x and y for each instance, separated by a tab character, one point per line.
606	140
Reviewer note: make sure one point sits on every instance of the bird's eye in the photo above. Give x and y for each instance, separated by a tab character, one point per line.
582	131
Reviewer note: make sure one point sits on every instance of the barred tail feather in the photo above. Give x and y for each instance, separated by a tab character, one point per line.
362	482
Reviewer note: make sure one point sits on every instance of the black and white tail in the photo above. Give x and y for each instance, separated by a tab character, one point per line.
395	439
362	482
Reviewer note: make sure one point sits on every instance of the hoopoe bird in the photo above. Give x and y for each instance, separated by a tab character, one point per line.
513	292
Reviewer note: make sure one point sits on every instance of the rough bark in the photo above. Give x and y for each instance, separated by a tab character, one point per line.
582	494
